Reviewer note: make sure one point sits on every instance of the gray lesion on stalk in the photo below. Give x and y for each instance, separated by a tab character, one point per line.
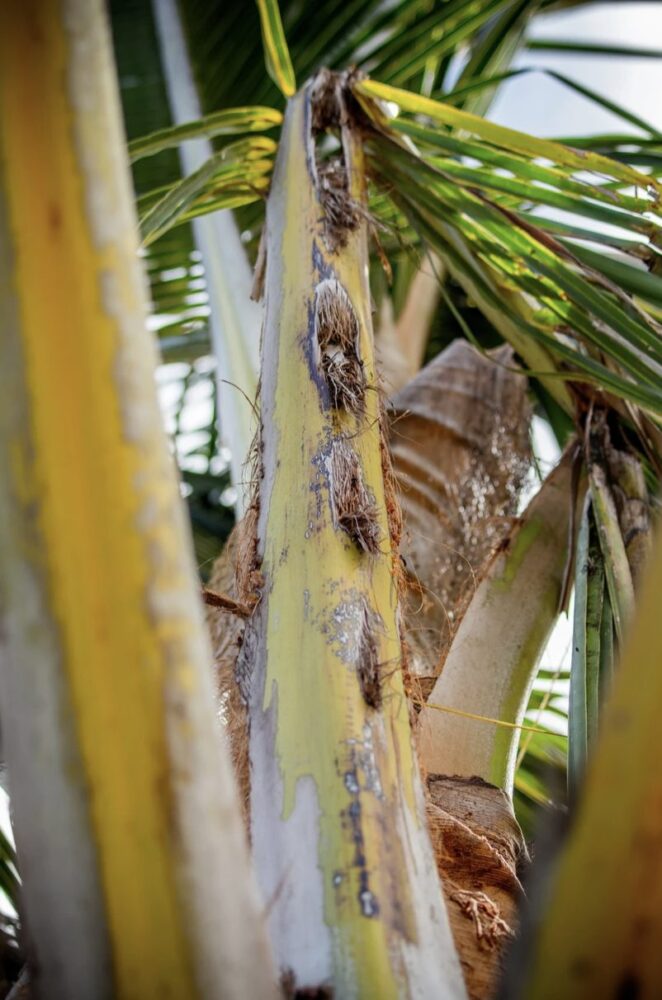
352	631
353	820
342	625
365	762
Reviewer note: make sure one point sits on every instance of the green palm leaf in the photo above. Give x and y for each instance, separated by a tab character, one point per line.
231	122
276	52
473	215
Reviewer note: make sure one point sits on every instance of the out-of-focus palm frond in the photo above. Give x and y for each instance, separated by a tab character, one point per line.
176	280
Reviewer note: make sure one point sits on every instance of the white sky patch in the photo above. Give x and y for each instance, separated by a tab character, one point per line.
542	106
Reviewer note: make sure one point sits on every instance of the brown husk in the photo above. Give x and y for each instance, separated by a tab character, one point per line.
479	850
226	634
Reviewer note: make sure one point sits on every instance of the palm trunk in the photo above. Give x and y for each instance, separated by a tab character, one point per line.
459	472
338	828
135	870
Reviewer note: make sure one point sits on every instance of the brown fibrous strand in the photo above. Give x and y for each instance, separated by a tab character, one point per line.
367	667
337	330
225	603
341	213
329	113
354	507
248	577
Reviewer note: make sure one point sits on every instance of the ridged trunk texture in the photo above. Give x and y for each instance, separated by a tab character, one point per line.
460	446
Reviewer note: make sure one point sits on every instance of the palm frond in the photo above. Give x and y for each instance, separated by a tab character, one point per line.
469	87
233	121
276	52
587	630
491	55
398	42
9	877
562	46
474	217
236	175
176	280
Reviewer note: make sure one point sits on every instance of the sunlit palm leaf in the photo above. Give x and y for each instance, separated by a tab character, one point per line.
230	122
581	317
237	174
277	55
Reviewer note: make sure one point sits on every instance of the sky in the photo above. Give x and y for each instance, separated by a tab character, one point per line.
534	103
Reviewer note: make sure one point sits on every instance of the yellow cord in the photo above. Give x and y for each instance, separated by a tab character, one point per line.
483	718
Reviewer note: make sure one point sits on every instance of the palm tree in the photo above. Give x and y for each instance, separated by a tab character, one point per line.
382	162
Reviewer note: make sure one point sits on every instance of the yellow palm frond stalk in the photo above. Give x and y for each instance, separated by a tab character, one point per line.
338	829
135	871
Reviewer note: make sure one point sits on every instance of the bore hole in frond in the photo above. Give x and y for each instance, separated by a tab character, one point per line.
368	666
354	507
337	330
330	122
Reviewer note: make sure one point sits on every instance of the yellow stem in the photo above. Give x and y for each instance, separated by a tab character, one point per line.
125	878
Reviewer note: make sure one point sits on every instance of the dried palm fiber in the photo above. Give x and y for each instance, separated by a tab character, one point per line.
337	331
353	507
479	850
460	445
226	632
340	214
